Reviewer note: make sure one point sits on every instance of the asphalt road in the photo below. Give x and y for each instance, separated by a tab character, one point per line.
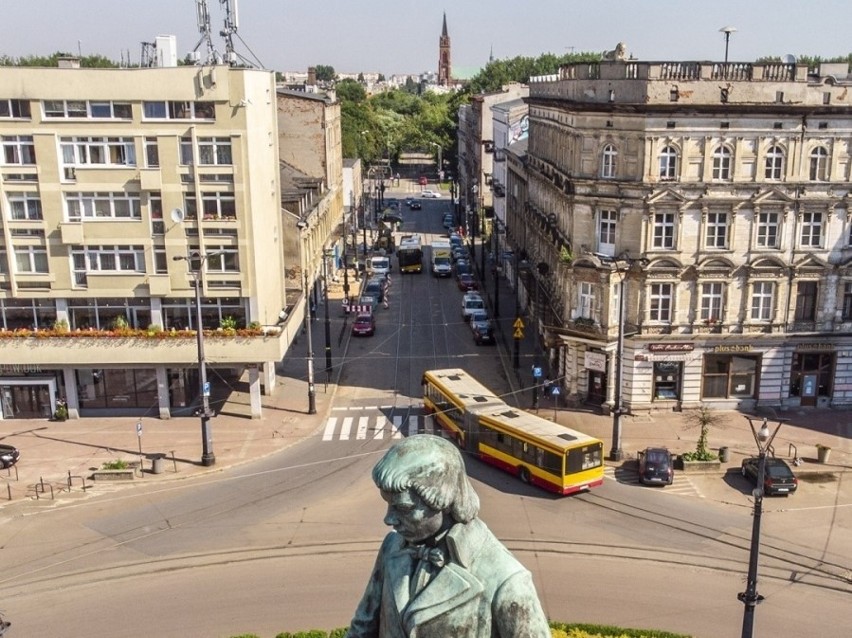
287	542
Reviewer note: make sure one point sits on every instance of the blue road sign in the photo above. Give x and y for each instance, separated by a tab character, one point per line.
537	372
555	391
206	391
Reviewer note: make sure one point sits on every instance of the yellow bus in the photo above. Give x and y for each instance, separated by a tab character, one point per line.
534	449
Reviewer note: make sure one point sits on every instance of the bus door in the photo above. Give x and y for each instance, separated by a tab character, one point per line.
471	432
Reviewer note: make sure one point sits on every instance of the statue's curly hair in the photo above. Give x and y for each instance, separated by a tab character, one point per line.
434	469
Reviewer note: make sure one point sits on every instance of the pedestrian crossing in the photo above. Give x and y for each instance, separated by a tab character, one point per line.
628	474
376	427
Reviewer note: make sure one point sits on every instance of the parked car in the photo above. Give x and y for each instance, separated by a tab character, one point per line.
423	180
472	302
484	335
461	267
467	282
448	221
415	206
656	466
430	194
778	477
409	201
460	252
9	455
364	325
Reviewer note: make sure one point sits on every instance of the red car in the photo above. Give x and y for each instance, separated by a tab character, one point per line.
364	325
467	282
423	180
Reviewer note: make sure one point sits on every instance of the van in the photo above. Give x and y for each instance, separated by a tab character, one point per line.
472	303
379	265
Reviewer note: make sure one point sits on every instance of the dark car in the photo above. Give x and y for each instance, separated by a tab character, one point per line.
467	282
448	221
656	466
462	267
481	327
778	477
364	325
415	206
9	455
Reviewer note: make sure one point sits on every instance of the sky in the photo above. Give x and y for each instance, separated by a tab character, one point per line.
401	36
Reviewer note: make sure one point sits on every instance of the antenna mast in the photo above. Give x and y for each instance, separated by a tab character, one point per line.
231	26
202	16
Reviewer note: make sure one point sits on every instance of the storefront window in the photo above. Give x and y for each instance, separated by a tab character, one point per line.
727	376
117	388
667	375
819	364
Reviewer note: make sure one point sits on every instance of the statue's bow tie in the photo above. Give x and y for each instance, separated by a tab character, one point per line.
433	554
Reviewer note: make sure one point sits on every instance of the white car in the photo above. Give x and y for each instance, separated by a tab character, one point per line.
430	194
472	303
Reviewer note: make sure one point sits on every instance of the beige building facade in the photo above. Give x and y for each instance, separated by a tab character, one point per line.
714	201
109	179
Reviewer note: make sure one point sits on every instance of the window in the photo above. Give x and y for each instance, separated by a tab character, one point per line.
728	376
660	303
767	230
847	302
110	258
65	108
819	165
214	151
664	230
608	158
806	299
586	300
819	364
722	163
28	314
113	110
774	163
179	110
14	108
811	230
606	232
668	163
218	206
667	376
24	206
158	226
101	109
712	301
222	259
716	230
762	300
31	259
152	152
18	149
161	262
99	151
186	151
109	206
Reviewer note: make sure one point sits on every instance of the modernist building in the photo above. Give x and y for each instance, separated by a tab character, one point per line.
702	210
110	179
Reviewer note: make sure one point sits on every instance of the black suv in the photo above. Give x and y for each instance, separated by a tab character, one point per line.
656	466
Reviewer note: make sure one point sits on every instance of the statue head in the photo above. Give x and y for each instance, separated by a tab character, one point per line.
425	470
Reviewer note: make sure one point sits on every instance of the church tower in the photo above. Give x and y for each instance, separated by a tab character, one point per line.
444	68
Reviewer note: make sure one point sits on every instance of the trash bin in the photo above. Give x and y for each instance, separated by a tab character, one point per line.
157	461
724	454
823	452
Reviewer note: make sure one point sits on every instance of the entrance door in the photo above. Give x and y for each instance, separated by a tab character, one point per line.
26	401
809	390
596	393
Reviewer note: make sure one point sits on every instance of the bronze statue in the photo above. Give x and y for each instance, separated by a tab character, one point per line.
441	573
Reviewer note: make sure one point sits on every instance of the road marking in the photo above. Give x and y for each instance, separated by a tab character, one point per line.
362	427
346	428
380	427
413	425
329	429
397	424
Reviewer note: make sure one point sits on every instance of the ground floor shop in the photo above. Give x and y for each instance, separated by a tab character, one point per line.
29	392
739	372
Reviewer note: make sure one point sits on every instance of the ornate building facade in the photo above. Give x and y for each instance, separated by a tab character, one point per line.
701	212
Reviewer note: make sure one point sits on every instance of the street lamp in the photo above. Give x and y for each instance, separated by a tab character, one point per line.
325	255
195	261
440	159
312	401
616	453
727	31
750	598
495	231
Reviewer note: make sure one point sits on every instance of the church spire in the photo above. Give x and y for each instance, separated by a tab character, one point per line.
444	30
445	69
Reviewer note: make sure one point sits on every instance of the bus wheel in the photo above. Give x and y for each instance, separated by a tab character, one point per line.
524	473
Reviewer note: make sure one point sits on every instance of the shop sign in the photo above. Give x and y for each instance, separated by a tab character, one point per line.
815	347
594	361
743	347
671	347
19	368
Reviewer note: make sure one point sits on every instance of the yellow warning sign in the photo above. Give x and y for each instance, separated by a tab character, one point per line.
519	325
519	334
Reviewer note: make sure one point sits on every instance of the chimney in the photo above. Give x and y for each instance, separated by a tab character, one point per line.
312	76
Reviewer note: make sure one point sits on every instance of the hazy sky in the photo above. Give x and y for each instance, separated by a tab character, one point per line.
401	36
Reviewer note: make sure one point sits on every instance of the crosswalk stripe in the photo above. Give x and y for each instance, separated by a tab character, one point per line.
429	424
362	427
413	425
346	428
329	428
397	424
380	427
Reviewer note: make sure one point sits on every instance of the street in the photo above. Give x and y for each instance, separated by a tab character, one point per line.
286	543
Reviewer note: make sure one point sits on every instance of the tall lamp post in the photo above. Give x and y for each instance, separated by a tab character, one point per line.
440	159
312	394
616	453
495	231
727	31
195	261
473	221
750	598
325	255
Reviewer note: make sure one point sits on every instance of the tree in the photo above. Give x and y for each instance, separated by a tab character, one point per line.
325	73
350	91
703	418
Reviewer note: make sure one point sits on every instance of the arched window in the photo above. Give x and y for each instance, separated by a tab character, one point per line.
819	164
774	163
722	163
608	158
668	163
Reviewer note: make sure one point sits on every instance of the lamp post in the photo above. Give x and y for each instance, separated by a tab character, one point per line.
750	598
495	227
727	31
440	159
312	398
325	255
472	222
195	261
616	453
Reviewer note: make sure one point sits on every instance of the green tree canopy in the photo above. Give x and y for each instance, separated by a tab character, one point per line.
325	73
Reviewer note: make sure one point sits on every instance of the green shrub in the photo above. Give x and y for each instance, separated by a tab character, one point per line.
118	464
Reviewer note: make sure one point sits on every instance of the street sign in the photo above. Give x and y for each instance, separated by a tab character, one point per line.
206	391
139	428
518	325
536	372
518	334
555	391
